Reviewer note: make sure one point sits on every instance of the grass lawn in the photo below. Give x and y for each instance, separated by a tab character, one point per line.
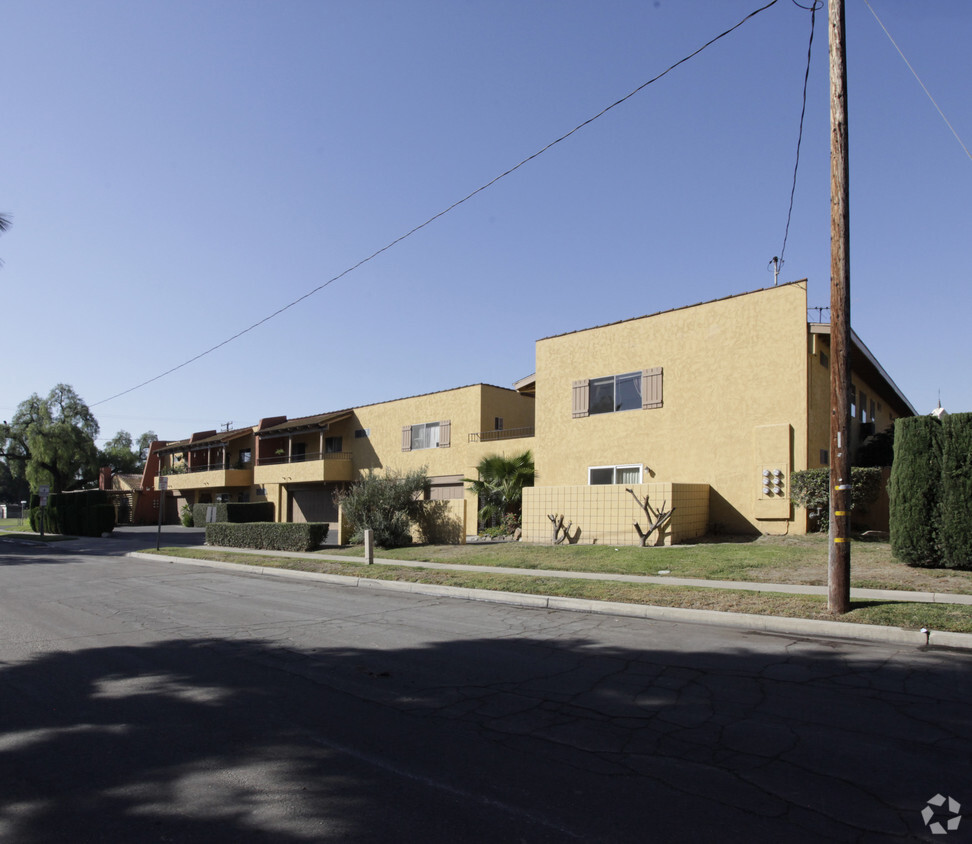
768	559
945	617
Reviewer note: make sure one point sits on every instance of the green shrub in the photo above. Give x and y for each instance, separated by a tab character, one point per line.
810	488
186	516
237	512
268	536
915	490
955	530
84	513
387	504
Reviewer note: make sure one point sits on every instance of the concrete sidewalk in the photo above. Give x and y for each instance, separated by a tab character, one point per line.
769	624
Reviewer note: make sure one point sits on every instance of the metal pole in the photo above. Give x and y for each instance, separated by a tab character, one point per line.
838	570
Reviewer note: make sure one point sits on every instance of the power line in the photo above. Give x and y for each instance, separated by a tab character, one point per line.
803	111
923	88
442	213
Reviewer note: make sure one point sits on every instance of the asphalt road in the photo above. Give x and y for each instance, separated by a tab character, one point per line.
144	701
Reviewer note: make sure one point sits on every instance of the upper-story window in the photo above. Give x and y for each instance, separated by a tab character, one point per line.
332	445
640	390
426	435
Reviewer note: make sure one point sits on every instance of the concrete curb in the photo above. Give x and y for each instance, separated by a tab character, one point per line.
760	623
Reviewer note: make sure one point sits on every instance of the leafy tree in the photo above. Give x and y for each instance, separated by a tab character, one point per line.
12	489
121	455
144	442
52	440
387	504
500	485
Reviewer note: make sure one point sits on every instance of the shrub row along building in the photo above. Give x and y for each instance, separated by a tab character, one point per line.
707	409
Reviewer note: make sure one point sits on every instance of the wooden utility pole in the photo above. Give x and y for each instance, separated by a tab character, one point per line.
838	571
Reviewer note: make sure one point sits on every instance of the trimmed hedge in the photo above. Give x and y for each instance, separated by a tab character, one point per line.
931	491
268	536
235	511
86	512
955	536
914	490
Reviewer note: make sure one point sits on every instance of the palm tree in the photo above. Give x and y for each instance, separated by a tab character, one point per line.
500	485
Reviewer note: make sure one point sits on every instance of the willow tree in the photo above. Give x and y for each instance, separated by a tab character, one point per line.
52	440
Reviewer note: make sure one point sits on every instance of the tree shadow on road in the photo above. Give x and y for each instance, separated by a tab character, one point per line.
515	739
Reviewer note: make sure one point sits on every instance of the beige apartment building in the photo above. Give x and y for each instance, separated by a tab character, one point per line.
709	408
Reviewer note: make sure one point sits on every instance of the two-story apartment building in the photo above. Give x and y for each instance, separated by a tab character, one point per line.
733	394
301	464
711	406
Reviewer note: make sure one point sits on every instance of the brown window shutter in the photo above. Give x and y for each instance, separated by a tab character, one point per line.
651	388
445	434
407	438
581	398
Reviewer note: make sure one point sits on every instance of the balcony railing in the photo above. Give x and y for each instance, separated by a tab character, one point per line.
505	434
280	460
220	466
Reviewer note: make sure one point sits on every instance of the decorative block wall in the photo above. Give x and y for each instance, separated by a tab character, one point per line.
605	514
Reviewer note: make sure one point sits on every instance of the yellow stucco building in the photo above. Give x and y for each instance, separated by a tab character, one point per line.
732	394
709	408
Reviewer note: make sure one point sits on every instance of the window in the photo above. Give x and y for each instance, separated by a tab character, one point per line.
246	455
362	433
631	391
497	423
614	475
298	452
616	392
426	435
332	445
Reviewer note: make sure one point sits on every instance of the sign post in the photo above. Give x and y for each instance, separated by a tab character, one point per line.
43	491
163	486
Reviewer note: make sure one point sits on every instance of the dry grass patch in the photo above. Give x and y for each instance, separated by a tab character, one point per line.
907	615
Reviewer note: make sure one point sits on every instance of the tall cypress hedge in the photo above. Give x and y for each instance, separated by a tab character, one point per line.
931	491
83	513
914	490
955	537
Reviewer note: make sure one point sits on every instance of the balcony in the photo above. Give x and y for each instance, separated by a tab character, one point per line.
506	434
209	476
313	467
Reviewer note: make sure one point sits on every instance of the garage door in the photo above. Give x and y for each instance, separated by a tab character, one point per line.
313	504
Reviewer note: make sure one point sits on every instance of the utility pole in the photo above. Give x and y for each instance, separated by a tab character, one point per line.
838	569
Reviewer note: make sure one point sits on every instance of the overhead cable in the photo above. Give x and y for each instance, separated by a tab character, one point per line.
442	213
923	88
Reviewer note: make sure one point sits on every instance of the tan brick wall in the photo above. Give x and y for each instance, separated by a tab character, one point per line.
606	514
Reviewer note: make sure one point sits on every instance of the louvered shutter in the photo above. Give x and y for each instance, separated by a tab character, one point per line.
581	398
407	438
651	388
445	433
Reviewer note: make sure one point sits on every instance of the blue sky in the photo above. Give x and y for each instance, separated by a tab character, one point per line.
178	171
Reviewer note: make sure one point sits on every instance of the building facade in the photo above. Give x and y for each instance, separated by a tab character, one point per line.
715	404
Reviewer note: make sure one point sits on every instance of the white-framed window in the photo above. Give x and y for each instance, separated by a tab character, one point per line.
629	474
